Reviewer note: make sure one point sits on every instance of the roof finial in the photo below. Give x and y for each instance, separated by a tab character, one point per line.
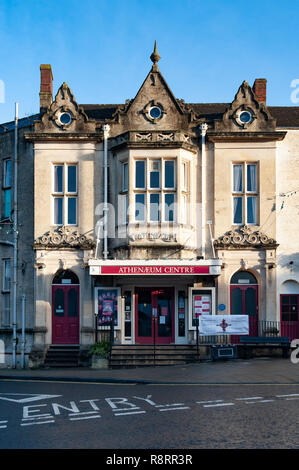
155	57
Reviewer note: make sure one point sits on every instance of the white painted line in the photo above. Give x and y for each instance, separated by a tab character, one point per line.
32	424
219	404
83	413
30	397
126	409
3	422
260	401
3	427
36	417
211	401
133	413
294	398
249	398
181	408
173	404
85	417
290	395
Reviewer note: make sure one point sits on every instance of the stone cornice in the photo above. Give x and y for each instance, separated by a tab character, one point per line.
62	137
153	139
245	136
245	238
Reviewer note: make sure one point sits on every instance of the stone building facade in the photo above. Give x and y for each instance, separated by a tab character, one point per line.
154	209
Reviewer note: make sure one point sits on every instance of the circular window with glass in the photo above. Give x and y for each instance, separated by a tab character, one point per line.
65	119
155	112
245	117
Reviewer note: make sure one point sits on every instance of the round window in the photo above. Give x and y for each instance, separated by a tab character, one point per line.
65	118
245	117
155	112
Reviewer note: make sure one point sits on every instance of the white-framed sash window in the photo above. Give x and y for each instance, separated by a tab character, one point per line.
65	194
245	193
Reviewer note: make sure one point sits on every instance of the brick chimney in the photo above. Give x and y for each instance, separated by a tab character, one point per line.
260	89
46	87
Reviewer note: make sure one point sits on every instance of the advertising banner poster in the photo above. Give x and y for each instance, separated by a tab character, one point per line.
201	305
223	325
107	306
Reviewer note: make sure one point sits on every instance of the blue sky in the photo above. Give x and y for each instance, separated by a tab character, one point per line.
101	48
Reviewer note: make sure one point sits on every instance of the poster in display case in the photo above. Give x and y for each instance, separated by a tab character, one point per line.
107	305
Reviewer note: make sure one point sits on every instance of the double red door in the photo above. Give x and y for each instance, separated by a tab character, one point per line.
65	314
154	309
244	301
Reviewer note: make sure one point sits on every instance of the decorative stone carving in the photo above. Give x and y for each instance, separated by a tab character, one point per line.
165	137
244	237
143	137
65	103
63	237
245	100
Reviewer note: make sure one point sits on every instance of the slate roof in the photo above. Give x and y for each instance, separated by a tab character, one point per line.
23	122
286	116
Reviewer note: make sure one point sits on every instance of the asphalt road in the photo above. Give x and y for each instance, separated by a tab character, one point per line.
54	415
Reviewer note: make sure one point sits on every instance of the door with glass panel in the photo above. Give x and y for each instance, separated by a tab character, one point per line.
244	300
65	314
154	309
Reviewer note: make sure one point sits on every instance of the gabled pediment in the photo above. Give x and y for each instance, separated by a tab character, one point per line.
246	113
155	106
65	115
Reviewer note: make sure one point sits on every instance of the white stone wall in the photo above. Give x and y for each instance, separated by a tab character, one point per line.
287	214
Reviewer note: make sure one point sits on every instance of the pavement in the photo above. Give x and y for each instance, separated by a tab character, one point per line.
252	371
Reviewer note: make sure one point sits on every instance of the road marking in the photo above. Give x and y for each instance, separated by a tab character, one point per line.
40	422
173	404
210	401
290	395
249	398
126	409
171	409
30	397
85	417
218	404
46	416
129	413
83	413
259	401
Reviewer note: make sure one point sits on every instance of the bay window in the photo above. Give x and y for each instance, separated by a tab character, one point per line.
155	186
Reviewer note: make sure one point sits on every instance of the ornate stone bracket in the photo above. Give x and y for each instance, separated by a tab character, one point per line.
64	237
245	237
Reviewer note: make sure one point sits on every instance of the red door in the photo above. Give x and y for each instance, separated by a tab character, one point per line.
289	315
65	314
154	309
244	301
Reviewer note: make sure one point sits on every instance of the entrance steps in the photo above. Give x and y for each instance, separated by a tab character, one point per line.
60	355
141	355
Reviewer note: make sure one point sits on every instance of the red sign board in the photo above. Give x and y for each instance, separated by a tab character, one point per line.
148	270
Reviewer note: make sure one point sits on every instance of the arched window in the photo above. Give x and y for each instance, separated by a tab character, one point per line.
243	277
65	277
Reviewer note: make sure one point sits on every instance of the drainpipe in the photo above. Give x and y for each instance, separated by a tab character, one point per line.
15	245
23	300
106	129
203	128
